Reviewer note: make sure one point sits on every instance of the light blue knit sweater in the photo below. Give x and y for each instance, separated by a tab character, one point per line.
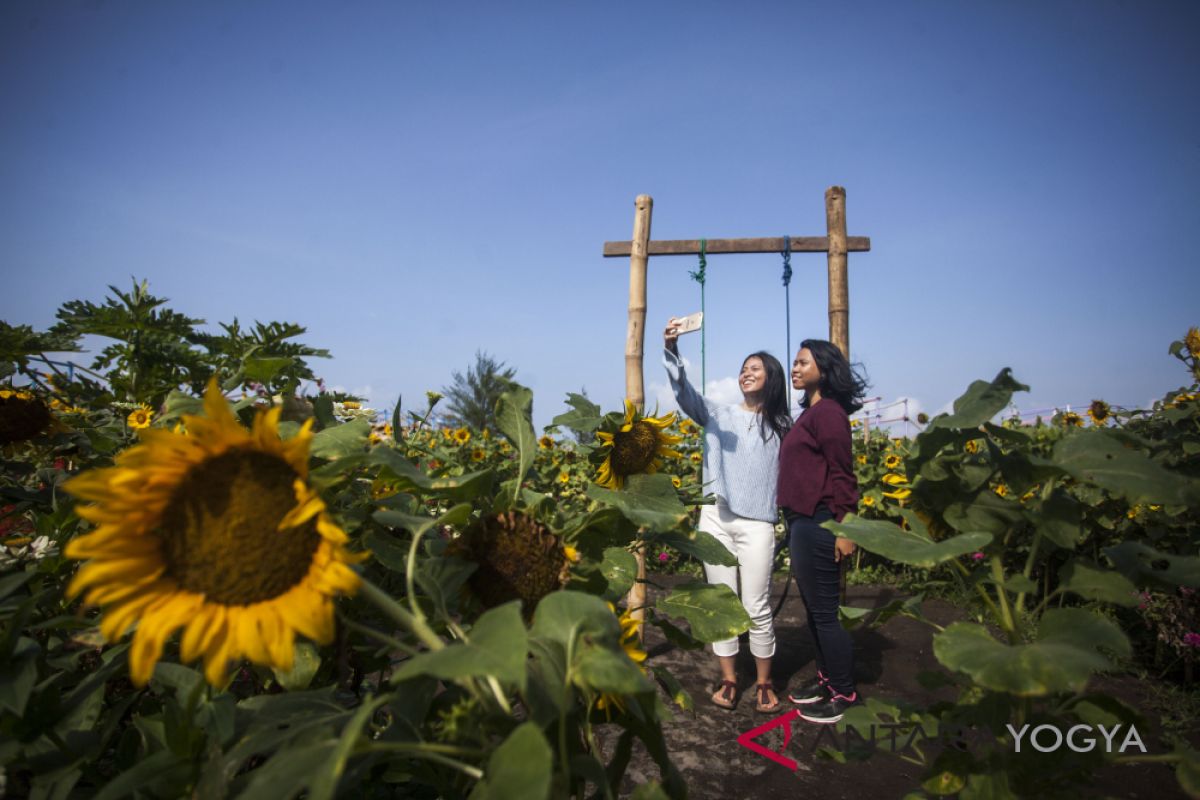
739	467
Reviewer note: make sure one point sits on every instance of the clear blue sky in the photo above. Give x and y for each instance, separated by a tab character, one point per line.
413	182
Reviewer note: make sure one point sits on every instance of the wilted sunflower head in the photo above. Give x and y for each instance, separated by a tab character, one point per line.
22	416
1099	411
636	447
519	558
1192	340
922	418
215	531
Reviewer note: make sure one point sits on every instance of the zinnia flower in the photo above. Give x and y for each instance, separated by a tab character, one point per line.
215	531
636	448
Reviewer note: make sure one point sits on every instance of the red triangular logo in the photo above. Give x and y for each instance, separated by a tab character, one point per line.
746	740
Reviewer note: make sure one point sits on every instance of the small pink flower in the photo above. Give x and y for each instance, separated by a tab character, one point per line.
977	556
663	557
1192	639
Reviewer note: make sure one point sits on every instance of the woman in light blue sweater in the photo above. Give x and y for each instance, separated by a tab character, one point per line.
741	466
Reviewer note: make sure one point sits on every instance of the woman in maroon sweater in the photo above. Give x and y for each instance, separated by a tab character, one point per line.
816	484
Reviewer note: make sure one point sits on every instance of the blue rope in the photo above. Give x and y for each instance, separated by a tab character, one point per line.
699	276
787	301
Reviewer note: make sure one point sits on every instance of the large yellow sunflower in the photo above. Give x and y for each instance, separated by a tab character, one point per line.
636	447
631	644
215	531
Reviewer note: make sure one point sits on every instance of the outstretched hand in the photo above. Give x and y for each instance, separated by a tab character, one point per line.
671	335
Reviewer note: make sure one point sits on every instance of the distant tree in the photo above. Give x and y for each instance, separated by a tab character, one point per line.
471	398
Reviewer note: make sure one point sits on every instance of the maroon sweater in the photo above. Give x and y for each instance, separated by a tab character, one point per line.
816	465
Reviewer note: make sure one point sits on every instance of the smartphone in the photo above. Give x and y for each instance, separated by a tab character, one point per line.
691	322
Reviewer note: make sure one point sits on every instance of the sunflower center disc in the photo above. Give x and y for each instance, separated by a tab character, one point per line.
634	449
219	530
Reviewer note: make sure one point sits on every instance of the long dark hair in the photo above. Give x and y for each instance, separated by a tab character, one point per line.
774	415
840	380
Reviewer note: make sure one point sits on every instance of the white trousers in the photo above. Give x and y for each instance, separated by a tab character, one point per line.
752	541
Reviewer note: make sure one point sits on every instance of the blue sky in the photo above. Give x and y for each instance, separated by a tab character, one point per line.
413	182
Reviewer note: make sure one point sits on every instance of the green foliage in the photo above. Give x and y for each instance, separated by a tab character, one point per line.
471	399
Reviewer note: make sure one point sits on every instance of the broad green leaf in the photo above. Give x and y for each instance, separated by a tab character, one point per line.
1060	519
264	369
713	610
342	440
619	568
563	615
677	636
519	769
646	500
514	412
906	547
412	480
387	549
981	402
153	768
606	669
701	545
583	418
495	646
1141	563
1095	583
18	675
305	663
679	696
985	512
1103	457
1065	654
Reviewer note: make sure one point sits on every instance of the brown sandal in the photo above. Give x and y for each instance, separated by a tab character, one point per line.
763	703
726	695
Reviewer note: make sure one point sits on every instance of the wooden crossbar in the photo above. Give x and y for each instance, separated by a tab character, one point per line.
691	247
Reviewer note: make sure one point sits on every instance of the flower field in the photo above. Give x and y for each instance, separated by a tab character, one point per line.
219	580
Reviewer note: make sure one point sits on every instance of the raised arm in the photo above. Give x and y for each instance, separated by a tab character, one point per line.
692	403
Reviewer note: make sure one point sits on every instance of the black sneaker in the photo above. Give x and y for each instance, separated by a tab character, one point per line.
815	690
830	710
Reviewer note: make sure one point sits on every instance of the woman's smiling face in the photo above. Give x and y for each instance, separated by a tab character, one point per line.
753	377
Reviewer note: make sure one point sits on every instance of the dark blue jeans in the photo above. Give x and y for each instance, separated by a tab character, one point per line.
819	578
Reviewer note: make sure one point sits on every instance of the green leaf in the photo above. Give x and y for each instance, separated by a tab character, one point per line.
1142	563
1095	583
519	769
387	549
600	666
679	695
412	480
677	636
1111	461
341	440
1065	654
583	418
514	412
329	772
906	547
305	664
154	768
619	568
701	545
18	675
649	500
496	646
980	402
264	370
713	610
985	512
1060	519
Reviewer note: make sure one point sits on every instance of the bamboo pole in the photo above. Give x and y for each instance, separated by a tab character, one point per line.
839	284
635	339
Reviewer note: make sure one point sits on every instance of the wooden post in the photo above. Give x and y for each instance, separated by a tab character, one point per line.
635	339
635	336
839	284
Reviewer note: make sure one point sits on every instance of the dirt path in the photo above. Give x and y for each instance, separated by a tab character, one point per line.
705	748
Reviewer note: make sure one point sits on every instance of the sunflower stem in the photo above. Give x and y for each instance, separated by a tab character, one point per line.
419	751
410	569
382	638
398	614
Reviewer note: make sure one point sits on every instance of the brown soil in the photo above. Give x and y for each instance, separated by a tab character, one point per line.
704	746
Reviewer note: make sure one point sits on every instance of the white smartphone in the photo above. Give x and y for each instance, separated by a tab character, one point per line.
692	322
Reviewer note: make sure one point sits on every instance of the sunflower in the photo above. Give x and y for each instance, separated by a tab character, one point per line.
867	501
972	446
1001	490
22	416
215	531
892	461
898	481
630	643
1192	340
518	557
636	447
478	454
861	458
676	482
564	477
1070	418
695	458
546	443
687	427
139	418
1099	411
462	435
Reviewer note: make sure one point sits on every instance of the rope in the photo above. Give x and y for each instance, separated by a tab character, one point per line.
699	277
787	304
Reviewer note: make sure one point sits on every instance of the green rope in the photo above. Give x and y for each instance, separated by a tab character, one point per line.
699	277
